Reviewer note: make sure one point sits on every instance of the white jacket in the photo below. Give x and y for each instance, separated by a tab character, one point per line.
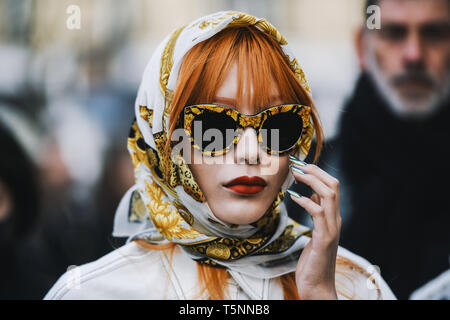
133	272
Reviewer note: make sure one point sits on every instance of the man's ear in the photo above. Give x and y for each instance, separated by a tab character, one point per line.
359	43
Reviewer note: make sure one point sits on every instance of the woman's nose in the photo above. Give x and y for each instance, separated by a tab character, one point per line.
247	149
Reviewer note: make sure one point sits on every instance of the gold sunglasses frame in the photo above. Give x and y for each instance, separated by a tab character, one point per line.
255	121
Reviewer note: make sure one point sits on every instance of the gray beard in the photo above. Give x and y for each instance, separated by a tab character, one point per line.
407	109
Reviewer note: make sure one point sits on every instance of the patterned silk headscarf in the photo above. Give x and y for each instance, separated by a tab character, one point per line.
166	204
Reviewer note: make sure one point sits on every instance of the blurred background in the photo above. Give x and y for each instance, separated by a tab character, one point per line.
67	97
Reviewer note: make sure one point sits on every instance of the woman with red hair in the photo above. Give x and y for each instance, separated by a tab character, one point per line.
205	219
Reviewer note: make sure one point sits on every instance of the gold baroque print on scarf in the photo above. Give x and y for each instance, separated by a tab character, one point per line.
143	154
244	19
166	67
168	173
146	114
212	22
228	249
184	212
137	211
165	215
299	73
284	242
137	147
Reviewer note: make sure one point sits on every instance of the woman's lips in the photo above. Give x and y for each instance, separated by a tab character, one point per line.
246	185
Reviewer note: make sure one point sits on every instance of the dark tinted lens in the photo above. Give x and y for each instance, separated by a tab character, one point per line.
213	131
283	130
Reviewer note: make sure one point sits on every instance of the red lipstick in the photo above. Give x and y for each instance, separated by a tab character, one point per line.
246	185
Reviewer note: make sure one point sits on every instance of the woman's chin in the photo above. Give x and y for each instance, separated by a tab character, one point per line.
236	208
245	215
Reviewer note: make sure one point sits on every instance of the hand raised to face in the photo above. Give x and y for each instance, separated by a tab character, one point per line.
315	274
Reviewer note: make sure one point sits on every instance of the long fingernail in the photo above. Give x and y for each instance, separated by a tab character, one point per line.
296	160
296	169
295	194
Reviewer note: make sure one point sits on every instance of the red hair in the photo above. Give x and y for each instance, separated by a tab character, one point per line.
258	55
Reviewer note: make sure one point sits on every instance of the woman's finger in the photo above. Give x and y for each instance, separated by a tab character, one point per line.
326	178
314	182
316	212
323	176
329	199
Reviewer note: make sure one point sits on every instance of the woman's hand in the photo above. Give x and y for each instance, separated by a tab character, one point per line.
315	274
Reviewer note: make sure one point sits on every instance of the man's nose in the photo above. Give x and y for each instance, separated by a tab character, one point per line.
413	50
247	149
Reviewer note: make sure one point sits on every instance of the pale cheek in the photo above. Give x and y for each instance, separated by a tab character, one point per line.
281	172
207	175
203	175
284	163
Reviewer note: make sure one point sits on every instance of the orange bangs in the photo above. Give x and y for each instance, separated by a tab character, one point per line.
258	55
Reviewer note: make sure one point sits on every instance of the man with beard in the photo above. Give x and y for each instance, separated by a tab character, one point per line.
391	153
393	144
